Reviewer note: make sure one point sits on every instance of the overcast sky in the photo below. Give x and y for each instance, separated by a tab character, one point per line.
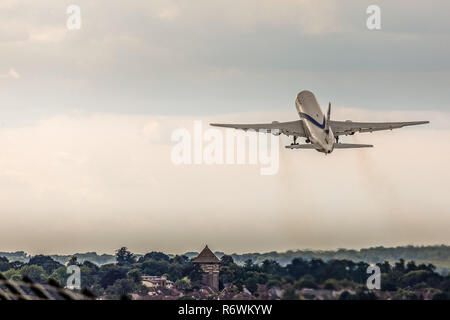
86	117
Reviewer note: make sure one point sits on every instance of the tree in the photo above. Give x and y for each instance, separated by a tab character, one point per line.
271	267
385	267
414	277
73	261
226	260
307	281
400	266
330	284
180	259
251	284
297	268
155	256
155	267
290	294
110	274
183	284
124	257
34	272
45	262
135	275
60	275
248	265
120	288
17	264
4	264
89	274
13	274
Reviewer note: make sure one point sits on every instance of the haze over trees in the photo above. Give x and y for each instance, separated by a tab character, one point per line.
404	279
438	255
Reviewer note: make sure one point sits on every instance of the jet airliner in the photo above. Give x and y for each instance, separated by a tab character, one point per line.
321	133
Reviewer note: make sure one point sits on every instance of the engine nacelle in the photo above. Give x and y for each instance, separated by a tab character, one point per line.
278	131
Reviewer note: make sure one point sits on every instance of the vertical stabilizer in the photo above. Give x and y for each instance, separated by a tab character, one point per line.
327	126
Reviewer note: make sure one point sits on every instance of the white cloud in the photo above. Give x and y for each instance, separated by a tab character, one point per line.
100	181
151	131
170	13
13	74
48	34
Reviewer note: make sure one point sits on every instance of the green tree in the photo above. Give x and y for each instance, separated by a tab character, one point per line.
226	260
4	264
271	267
183	284
60	275
73	261
13	274
307	281
124	257
45	262
155	256
249	265
120	288
180	259
135	275
290	294
109	274
90	274
35	273
251	284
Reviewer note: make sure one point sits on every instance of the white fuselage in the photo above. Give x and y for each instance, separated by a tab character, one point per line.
314	122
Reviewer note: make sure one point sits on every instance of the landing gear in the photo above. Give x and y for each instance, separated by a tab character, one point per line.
295	141
337	139
308	141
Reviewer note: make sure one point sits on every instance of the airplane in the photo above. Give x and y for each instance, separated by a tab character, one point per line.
321	133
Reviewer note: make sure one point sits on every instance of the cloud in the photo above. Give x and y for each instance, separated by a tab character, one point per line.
96	182
146	57
138	70
12	73
170	13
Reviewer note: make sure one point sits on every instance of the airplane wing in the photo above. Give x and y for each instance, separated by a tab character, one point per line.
291	128
349	127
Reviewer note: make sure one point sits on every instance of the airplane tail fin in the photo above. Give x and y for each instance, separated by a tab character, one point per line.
327	126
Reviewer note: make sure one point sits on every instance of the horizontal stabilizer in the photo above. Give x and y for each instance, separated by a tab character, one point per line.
300	146
336	146
351	145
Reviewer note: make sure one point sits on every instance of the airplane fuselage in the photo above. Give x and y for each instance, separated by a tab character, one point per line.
314	122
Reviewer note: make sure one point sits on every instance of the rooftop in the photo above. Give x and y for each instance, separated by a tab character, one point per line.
206	256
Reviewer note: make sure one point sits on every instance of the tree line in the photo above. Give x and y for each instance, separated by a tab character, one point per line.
124	277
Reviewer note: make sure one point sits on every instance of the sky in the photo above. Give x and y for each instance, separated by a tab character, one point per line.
86	118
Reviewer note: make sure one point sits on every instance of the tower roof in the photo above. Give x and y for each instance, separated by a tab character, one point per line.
206	256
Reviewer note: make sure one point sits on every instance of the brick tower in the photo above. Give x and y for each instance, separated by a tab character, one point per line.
210	265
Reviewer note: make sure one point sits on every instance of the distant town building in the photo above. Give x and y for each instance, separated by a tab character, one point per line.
156	282
210	266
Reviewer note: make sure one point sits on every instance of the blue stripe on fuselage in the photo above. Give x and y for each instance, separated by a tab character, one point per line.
312	120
